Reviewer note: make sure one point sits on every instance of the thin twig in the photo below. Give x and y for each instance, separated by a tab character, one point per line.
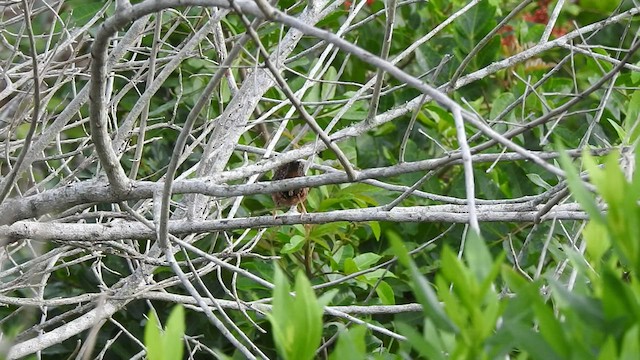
9	181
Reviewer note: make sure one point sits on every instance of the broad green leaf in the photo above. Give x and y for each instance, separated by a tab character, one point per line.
599	6
588	309
329	87
366	260
622	133
551	329
551	332
498	5
313	94
84	10
399	249
282	327
477	256
490	314
537	179
152	338
608	350
373	276
350	266
488	282
225	92
470	28
630	344
455	310
618	301
635	76
375	228
174	333
465	285
500	103
385	293
351	344
598	243
531	341
307	317
339	256
514	280
325	298
426	346
167	344
296	320
295	243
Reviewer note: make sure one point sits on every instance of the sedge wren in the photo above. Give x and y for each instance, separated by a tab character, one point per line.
290	197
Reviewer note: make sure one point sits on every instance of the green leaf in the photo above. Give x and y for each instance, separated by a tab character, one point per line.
174	333
464	284
632	117
488	282
295	243
622	133
341	255
329	87
549	342
500	103
618	300
399	249
537	179
514	280
296	321
325	298
364	261
456	312
551	329
587	309
308	320
423	291
635	77
279	317
597	237
599	6
473	26
531	341
372	277
579	191
350	266
385	293
84	10
350	344
165	345
152	338
630	345
427	346
477	256
608	350
375	228
498	5
623	213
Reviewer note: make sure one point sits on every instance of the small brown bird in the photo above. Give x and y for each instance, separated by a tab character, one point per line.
290	197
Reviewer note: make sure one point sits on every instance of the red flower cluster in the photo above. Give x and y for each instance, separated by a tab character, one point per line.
541	16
